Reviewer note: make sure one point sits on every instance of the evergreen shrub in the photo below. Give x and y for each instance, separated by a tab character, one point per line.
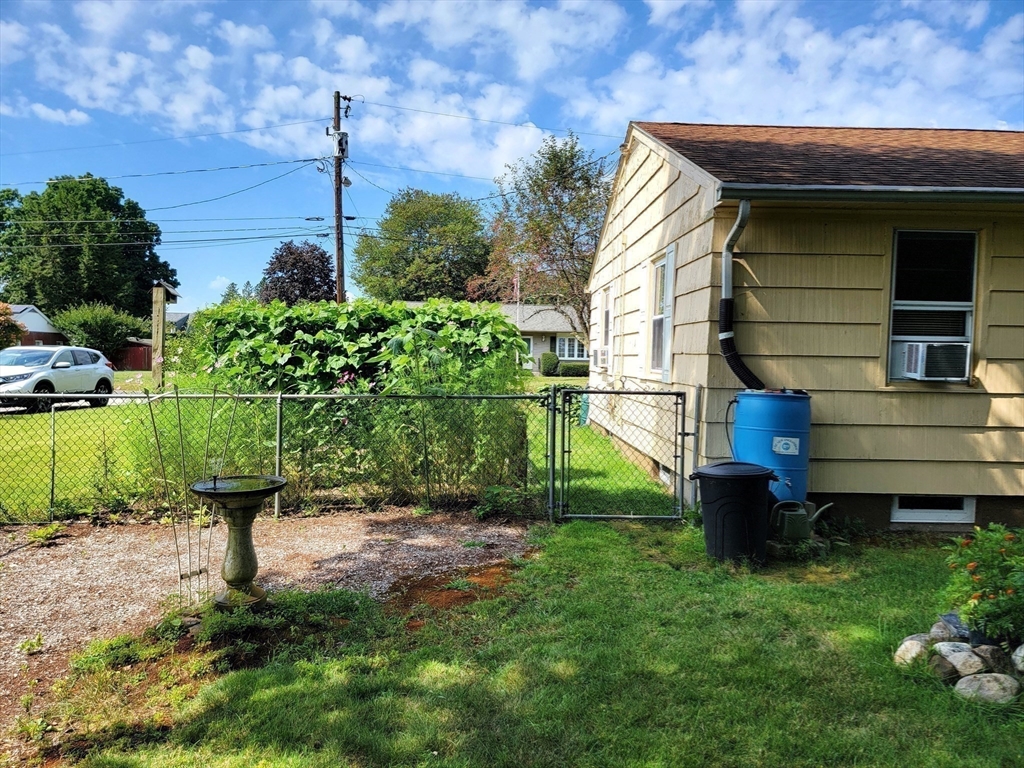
549	364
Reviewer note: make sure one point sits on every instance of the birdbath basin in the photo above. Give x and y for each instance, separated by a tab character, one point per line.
239	499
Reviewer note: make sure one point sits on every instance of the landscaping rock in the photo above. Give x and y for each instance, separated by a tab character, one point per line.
995	659
966	663
948	649
960	630
941	632
1017	657
990	687
911	650
943	669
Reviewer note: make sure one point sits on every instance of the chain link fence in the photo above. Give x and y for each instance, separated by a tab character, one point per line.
621	454
500	454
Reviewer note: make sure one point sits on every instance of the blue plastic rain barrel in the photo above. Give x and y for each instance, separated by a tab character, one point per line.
773	429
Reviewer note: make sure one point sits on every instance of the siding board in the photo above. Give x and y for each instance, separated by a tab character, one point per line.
784	270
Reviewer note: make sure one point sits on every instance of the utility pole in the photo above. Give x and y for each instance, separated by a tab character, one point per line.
340	155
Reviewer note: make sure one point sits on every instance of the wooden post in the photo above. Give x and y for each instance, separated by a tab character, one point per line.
159	315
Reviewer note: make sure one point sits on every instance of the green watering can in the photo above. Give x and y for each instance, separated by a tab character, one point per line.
793	521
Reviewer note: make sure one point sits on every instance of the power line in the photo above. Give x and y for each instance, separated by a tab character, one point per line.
72	233
210	218
230	194
166	138
372	184
210	240
160	173
421	170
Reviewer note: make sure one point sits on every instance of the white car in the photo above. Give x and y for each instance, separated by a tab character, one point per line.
53	370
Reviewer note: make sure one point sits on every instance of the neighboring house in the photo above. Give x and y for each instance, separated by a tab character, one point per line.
38	328
177	322
881	270
546	330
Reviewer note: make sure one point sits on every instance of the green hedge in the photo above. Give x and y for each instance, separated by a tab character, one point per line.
574	369
549	364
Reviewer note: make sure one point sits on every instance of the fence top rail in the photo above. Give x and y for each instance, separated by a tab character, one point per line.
567	393
154	397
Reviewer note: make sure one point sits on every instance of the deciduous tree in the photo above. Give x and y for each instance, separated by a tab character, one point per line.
10	329
547	230
298	272
428	246
79	241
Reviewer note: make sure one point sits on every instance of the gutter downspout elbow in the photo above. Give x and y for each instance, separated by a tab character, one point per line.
726	337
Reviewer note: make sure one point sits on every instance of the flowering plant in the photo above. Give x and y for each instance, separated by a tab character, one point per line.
987	583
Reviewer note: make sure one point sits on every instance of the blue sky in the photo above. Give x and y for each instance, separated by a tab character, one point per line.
448	94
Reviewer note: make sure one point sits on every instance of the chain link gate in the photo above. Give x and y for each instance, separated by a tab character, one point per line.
620	454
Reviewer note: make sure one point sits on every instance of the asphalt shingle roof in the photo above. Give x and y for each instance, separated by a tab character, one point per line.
898	157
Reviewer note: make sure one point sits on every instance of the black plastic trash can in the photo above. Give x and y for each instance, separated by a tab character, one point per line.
734	507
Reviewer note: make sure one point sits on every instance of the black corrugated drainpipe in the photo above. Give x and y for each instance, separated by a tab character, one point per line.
725	335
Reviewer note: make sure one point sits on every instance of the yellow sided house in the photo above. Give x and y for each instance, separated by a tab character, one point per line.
879	271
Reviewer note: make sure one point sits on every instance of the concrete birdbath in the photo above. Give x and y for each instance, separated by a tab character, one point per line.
239	499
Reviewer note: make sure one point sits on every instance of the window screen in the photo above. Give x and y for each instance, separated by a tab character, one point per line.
934	266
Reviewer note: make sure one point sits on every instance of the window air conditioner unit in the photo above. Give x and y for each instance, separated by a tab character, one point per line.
602	357
942	361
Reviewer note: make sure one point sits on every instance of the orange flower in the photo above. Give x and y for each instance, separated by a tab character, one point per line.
1010	590
952	566
976	578
976	596
991	597
965	542
971	566
1009	537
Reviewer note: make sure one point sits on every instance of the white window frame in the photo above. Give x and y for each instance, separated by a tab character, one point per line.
898	343
565	344
965	515
658	269
606	311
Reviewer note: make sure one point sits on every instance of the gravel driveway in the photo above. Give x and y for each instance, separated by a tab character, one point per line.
101	582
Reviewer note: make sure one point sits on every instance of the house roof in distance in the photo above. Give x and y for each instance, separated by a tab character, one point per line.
537	318
529	318
897	158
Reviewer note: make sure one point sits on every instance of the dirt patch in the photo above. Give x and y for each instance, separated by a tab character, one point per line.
101	582
448	591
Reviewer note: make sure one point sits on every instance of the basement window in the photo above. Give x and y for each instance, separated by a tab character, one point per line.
932	509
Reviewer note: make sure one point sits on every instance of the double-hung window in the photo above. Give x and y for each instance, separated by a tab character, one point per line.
569	348
932	306
658	317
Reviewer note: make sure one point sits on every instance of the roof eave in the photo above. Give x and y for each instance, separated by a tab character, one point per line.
865	193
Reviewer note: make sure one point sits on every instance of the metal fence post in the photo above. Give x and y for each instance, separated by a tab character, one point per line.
278	450
552	414
53	460
680	450
697	404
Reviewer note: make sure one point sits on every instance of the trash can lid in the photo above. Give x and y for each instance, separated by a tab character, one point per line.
732	469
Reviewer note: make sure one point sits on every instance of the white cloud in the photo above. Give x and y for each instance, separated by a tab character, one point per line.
323	32
671	14
70	117
354	54
104	17
345	8
538	39
774	66
13	37
970	15
198	58
202	19
427	73
219	283
243	36
158	42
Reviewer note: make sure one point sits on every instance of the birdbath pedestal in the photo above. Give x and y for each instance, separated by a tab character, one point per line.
239	499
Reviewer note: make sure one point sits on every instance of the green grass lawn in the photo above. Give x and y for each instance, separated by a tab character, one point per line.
617	645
